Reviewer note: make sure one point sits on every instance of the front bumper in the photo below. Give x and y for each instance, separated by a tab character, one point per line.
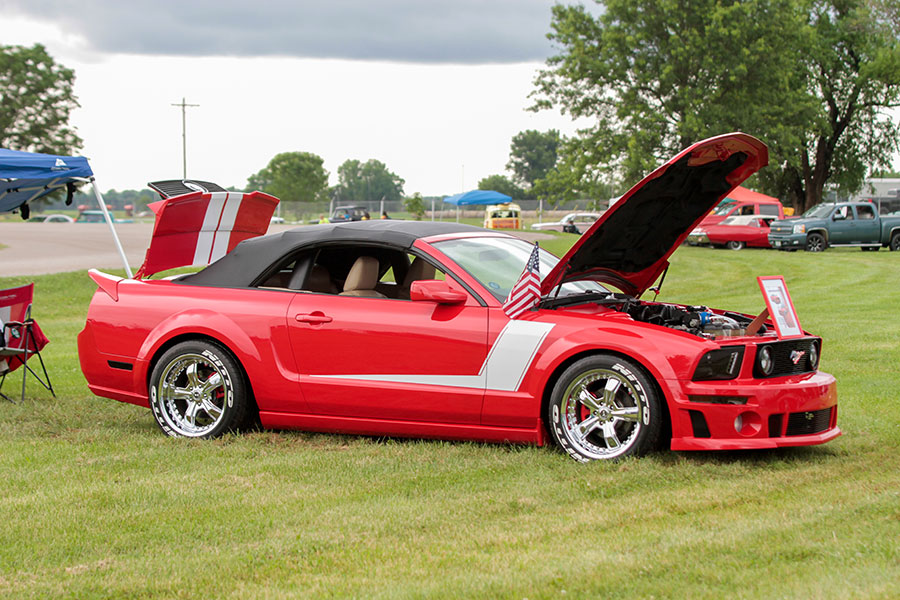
755	414
698	239
794	240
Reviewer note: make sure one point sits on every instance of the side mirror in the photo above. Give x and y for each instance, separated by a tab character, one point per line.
432	290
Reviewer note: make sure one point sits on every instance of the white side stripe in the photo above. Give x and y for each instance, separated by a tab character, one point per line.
503	368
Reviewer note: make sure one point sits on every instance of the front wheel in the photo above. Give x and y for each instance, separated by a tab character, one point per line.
735	245
895	242
604	407
815	242
197	390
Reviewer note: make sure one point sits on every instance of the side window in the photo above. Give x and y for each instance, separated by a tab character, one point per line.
748	210
768	209
865	212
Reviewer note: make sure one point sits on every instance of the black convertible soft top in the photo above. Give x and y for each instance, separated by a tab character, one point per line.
242	266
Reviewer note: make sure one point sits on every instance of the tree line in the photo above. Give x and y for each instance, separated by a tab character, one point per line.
815	80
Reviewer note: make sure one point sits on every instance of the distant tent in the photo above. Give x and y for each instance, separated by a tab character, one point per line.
742	194
477	197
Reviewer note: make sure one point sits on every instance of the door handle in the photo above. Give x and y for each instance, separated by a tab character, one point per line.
315	318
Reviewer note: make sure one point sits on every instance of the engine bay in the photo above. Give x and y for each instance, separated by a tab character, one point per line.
697	320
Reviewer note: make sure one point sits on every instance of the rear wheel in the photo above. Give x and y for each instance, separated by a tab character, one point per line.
895	242
604	407
734	245
815	242
197	390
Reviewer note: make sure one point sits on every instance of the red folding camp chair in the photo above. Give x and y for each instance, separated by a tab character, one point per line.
21	338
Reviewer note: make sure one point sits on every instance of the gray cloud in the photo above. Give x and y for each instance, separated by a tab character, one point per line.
422	31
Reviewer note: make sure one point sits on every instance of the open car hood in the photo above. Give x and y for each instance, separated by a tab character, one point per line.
629	246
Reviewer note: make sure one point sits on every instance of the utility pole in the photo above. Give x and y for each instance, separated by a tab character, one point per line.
184	106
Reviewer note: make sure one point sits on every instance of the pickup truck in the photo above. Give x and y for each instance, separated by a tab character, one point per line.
840	224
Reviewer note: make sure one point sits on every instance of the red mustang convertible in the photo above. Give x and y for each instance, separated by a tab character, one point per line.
397	328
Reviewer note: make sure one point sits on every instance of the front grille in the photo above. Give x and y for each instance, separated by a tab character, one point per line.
781	229
805	423
784	353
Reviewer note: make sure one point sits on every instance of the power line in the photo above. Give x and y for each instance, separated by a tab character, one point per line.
184	105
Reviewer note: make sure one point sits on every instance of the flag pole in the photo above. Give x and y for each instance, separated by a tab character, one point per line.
111	226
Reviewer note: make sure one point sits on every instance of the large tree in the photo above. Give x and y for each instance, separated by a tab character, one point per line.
811	78
532	154
369	181
36	100
292	177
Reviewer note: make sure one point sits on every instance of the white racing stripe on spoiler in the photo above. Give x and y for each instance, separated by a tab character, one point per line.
502	370
212	244
226	224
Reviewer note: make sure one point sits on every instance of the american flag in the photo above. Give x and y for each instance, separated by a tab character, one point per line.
527	290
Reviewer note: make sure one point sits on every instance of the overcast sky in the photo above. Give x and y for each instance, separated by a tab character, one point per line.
435	89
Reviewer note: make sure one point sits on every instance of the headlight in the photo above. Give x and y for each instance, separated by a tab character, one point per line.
764	361
814	356
800	228
724	363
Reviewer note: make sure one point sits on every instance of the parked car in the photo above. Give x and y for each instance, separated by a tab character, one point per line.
398	328
742	202
577	222
839	224
734	232
92	216
503	216
51	219
342	214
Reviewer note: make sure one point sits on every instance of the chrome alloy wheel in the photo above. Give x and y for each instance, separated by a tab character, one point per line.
192	394
603	412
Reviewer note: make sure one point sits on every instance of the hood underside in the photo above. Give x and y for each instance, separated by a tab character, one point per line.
630	245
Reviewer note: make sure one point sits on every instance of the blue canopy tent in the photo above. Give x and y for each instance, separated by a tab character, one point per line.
474	197
27	176
477	197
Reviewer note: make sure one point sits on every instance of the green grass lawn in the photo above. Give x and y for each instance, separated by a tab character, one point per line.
96	502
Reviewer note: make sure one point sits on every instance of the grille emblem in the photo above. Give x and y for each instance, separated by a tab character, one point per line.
796	355
809	416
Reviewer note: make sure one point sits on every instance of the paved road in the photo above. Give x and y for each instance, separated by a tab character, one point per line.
40	248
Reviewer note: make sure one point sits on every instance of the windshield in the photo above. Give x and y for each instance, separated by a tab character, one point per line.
724	207
498	262
819	211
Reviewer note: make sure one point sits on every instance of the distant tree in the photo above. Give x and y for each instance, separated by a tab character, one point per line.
36	99
369	181
531	156
415	205
811	78
292	177
502	184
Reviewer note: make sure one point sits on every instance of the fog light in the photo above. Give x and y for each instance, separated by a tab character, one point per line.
748	423
764	360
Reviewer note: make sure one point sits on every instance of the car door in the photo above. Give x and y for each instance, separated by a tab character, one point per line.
867	227
394	359
841	230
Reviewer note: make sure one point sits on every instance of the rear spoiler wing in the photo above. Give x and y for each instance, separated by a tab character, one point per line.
201	226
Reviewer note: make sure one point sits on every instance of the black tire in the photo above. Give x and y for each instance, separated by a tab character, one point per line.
735	245
815	242
870	248
197	389
603	408
569	228
895	242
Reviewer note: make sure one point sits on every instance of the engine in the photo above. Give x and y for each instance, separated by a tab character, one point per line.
697	320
